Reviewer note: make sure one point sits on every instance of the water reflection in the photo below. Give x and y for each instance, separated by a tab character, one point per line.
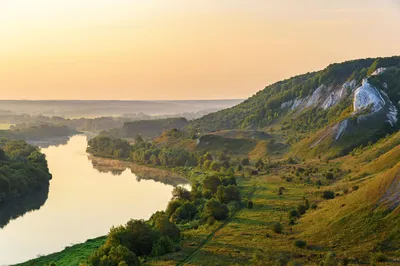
52	142
141	172
15	209
85	199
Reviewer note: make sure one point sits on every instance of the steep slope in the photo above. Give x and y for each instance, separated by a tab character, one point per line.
365	220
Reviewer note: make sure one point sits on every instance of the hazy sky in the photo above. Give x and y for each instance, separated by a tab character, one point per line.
181	49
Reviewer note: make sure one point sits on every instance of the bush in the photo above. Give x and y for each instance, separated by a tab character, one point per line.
328	194
329	260
314	206
379	257
300	243
293	214
355	188
210	220
277	228
329	176
301	209
249	204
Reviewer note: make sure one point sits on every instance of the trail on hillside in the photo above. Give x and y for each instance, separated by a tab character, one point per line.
211	236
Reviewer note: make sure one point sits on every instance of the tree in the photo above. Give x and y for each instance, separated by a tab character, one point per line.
138	139
181	193
207	157
215	166
249	204
167	228
239	168
228	194
215	209
173	205
212	183
207	164
277	228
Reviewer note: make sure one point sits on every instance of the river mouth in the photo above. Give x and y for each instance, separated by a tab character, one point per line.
86	197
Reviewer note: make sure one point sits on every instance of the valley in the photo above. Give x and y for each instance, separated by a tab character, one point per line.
305	172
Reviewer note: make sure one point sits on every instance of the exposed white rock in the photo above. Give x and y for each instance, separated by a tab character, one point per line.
297	103
342	127
392	114
286	104
366	96
334	97
378	71
350	85
315	97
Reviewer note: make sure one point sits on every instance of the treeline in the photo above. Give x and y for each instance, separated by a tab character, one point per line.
205	204
37	132
23	169
141	152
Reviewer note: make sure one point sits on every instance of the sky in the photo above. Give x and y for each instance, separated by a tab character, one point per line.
181	49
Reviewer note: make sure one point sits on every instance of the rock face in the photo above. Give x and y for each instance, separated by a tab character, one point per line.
368	96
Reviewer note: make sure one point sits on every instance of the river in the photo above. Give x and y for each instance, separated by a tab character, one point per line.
84	200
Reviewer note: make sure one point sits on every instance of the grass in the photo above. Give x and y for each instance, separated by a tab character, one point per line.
70	256
5	126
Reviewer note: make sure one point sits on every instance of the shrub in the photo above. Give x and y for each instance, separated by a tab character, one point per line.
293	214
329	176
306	204
328	194
277	228
210	220
314	206
300	243
355	188
329	260
379	257
301	209
249	204
245	162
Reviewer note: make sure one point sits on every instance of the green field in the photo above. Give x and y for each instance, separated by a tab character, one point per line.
70	256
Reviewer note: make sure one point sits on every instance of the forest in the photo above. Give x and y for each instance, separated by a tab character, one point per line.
23	170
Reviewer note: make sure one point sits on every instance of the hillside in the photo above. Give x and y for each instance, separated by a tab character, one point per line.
354	100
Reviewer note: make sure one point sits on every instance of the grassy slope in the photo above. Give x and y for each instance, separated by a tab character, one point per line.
70	256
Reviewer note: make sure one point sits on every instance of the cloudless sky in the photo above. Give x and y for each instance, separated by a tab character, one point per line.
181	49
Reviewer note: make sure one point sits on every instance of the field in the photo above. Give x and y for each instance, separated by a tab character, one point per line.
5	126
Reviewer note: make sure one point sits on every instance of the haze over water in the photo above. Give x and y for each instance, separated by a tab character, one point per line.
82	203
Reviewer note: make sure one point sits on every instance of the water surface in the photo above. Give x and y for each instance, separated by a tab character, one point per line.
84	200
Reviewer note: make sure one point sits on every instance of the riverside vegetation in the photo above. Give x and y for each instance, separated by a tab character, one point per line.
274	180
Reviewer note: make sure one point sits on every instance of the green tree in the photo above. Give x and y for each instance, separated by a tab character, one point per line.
212	183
